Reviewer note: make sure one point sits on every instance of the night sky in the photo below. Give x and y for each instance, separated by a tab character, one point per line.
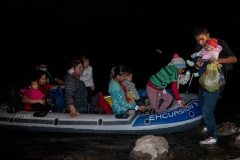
110	32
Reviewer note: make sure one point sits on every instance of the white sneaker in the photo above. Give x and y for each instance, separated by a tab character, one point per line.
196	74
190	63
209	140
203	129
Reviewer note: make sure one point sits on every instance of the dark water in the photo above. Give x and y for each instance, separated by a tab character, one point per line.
66	146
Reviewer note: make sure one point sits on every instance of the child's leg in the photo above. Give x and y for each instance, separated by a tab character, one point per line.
202	69
167	97
193	62
195	59
154	97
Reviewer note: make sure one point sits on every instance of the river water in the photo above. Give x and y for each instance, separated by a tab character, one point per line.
67	146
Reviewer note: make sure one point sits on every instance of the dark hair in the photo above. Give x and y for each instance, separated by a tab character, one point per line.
198	30
120	70
29	81
38	74
83	57
76	62
129	73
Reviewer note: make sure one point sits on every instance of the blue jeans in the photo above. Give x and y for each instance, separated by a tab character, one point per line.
207	102
202	69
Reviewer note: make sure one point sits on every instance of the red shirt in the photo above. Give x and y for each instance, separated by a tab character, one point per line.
45	90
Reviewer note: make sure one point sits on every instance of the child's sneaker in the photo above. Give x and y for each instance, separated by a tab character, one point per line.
190	63
209	140
195	74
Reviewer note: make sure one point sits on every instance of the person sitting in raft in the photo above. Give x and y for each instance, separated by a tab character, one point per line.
43	86
75	90
120	105
156	85
32	91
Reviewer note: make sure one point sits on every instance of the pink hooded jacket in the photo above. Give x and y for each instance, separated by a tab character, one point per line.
33	93
213	54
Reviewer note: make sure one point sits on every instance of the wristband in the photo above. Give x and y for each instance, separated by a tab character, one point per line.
136	108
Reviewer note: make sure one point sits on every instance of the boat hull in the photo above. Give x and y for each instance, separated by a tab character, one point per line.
173	120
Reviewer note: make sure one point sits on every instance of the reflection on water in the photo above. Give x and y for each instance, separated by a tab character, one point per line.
66	146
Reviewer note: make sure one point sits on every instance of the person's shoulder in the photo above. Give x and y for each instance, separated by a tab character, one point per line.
171	67
114	84
90	68
221	42
68	77
198	48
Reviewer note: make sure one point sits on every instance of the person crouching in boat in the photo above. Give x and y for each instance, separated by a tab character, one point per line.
75	90
156	85
120	105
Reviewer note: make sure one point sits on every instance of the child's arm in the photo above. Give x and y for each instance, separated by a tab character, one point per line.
134	90
26	99
196	54
215	56
87	74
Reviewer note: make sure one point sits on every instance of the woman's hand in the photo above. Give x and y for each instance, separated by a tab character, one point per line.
73	112
182	105
142	108
93	87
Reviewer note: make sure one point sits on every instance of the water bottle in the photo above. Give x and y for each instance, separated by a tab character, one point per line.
221	78
187	75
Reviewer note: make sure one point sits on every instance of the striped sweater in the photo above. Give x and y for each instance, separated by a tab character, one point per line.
164	76
75	93
131	86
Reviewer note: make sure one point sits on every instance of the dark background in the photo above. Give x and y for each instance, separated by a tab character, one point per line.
111	32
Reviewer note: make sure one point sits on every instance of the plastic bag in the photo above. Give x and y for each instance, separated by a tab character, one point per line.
210	78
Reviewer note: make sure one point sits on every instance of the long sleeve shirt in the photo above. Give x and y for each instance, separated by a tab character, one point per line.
165	76
120	105
75	93
87	77
131	86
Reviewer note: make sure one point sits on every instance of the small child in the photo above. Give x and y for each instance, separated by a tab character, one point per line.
132	89
34	93
87	77
209	52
